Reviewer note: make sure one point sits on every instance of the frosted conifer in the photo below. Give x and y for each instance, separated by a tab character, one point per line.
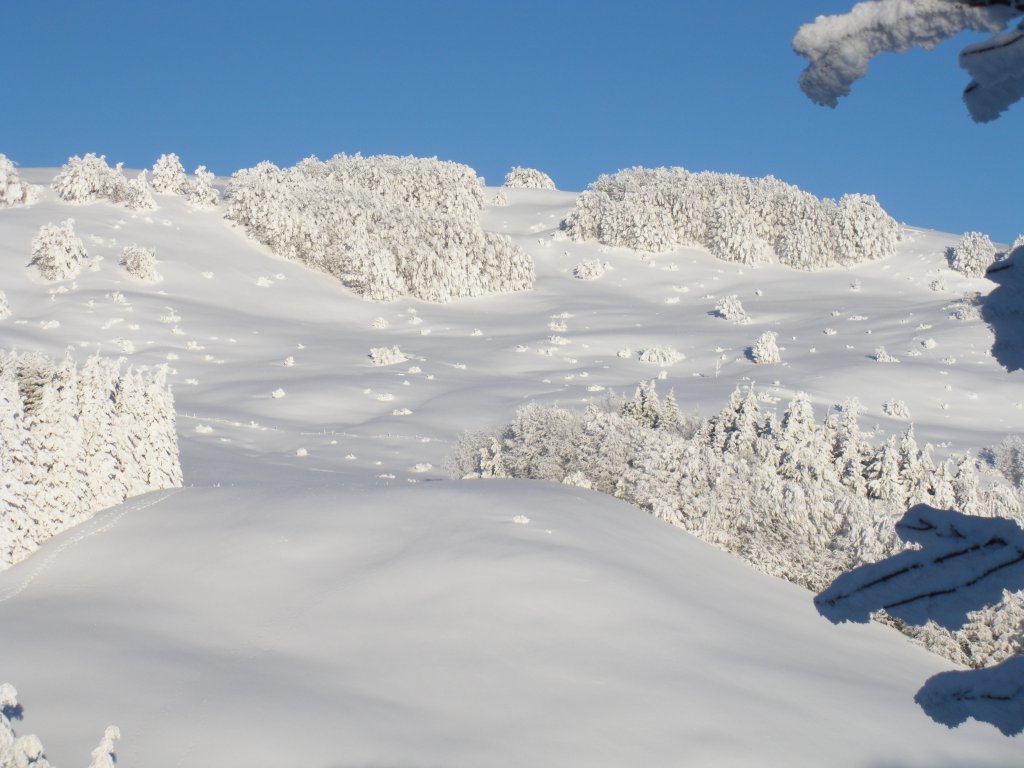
169	175
57	252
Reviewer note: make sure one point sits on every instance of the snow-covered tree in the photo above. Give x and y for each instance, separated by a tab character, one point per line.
57	252
766	349
138	196
973	254
528	178
5	308
730	308
200	192
140	263
169	175
840	47
88	179
14	191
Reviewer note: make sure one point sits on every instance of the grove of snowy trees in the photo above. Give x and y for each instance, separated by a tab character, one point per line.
75	440
840	47
13	191
385	226
797	498
735	218
528	178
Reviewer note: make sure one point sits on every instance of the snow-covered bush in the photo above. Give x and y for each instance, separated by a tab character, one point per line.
138	196
766	348
735	218
5	308
57	252
882	356
730	308
500	198
88	179
528	178
385	226
14	191
973	254
199	192
590	269
74	441
140	263
387	355
1008	458
27	751
661	354
796	497
169	175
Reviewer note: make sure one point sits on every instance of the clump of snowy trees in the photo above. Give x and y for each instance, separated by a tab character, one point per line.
795	497
528	178
973	255
75	440
27	751
735	218
57	252
13	191
385	226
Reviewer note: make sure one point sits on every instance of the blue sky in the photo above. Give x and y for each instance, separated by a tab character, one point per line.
571	87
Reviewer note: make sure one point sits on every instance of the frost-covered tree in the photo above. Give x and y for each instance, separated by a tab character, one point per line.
14	191
199	191
840	47
57	252
140	263
730	308
528	178
766	349
169	175
5	308
973	254
88	179
138	195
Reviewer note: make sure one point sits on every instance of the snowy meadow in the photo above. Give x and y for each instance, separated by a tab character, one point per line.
364	462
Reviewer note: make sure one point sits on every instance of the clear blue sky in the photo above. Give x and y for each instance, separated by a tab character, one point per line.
571	87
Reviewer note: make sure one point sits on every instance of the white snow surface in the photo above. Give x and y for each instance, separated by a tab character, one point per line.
349	607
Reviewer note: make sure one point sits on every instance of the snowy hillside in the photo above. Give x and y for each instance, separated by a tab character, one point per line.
321	591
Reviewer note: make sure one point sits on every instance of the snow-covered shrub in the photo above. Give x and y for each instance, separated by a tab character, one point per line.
882	356
387	355
735	218
169	175
57	252
14	191
200	192
385	226
88	179
766	348
590	269
528	178
74	441
137	195
896	408
730	308
973	254
500	198
140	263
661	354
5	308
1008	458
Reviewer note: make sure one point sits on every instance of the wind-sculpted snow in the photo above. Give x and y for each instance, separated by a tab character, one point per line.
735	218
385	226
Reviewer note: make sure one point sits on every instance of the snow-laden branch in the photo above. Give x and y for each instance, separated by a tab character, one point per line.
840	47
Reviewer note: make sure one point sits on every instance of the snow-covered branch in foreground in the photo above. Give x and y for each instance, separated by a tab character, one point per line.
839	48
735	218
528	178
14	191
75	441
963	565
385	226
27	751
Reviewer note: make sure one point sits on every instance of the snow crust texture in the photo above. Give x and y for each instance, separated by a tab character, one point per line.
737	219
385	226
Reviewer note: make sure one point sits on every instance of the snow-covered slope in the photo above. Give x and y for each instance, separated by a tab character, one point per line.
323	593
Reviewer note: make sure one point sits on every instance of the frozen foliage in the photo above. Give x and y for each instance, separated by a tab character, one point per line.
200	192
795	497
766	349
88	179
661	354
387	355
27	751
140	263
884	357
57	252
14	191
385	226
75	441
5	308
968	307
169	175
590	269
137	194
973	254
840	47
500	198
1008	459
735	218
896	408
528	178
730	308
